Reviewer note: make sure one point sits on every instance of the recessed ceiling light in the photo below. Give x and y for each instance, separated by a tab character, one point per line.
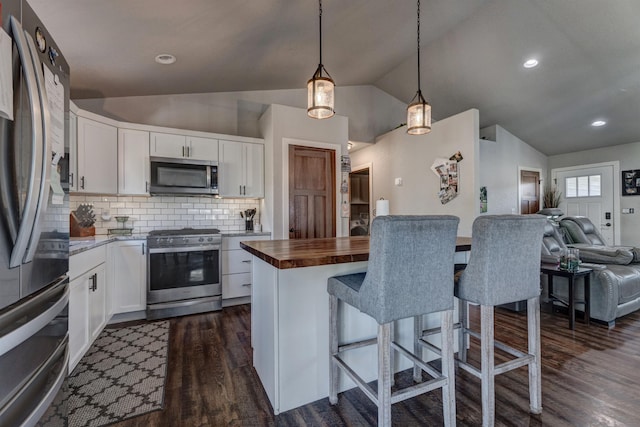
165	58
598	123
530	63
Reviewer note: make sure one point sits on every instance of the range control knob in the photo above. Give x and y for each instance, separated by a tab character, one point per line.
210	239
201	239
170	240
185	240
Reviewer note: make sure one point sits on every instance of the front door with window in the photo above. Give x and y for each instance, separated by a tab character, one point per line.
589	192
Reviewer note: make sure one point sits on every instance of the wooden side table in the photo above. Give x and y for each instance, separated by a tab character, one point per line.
551	271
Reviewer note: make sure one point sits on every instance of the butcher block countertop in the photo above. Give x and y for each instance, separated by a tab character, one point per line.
297	253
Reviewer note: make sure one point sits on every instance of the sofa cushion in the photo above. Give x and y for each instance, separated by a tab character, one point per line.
581	230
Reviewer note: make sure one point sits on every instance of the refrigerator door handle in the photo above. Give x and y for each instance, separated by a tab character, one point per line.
40	310
35	174
46	153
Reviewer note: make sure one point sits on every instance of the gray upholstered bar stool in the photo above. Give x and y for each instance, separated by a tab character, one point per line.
504	267
410	273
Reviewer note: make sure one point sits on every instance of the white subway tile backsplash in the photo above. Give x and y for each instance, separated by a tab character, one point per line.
158	212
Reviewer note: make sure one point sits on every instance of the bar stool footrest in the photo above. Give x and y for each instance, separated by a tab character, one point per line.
357	344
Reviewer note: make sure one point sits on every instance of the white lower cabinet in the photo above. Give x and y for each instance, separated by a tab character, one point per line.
128	275
88	309
78	320
96	280
236	268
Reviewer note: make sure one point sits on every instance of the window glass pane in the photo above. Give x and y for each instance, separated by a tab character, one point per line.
571	187
594	185
583	186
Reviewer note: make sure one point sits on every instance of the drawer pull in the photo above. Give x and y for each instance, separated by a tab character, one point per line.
246	284
247	261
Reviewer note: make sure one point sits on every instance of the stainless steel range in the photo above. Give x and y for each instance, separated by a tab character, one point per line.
183	272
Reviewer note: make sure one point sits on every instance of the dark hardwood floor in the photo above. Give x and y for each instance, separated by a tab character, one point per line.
590	377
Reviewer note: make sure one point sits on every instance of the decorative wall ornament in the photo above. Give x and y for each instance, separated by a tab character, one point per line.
483	200
631	182
447	171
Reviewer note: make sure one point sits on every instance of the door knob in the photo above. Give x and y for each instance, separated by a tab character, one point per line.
292	230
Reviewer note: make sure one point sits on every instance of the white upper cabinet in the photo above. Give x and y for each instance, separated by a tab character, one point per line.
97	157
180	146
241	169
73	152
202	148
254	170
168	145
133	162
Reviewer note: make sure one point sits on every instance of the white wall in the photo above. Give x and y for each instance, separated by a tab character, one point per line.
371	111
280	126
629	157
502	156
398	155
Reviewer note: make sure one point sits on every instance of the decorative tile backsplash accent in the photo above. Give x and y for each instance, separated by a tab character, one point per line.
167	212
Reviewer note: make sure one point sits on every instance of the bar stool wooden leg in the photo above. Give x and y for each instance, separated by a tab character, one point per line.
392	357
417	348
463	313
333	349
535	367
488	364
384	375
449	390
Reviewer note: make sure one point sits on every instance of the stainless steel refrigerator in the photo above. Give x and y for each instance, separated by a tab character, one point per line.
34	227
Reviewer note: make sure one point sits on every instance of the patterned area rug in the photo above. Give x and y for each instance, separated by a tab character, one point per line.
121	376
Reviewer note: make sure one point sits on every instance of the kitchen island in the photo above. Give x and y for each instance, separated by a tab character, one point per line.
290	316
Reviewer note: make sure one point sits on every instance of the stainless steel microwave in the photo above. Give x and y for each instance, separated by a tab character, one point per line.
183	176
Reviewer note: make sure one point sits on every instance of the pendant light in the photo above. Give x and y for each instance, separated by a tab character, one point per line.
320	99
419	110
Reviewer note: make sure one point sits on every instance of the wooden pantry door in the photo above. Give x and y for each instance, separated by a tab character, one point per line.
312	209
529	191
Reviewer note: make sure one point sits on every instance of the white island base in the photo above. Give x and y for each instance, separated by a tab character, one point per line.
290	333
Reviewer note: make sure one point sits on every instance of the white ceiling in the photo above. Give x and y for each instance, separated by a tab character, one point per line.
471	57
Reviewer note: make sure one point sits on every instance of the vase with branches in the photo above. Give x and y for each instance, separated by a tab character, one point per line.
551	196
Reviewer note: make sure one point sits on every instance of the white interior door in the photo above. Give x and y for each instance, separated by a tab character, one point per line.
589	191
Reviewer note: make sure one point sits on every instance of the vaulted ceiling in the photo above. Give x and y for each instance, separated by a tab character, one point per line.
471	57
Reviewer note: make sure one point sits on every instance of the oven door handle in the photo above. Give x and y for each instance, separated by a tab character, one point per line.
184	249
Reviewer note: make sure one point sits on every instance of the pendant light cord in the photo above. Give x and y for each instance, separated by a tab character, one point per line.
320	24
418	47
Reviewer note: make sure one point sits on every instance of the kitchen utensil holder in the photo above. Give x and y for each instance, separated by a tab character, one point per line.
248	224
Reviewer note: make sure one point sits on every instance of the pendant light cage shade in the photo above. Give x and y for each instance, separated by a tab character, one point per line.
419	117
320	89
320	95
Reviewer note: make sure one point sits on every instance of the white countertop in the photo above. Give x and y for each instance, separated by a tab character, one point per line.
81	244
